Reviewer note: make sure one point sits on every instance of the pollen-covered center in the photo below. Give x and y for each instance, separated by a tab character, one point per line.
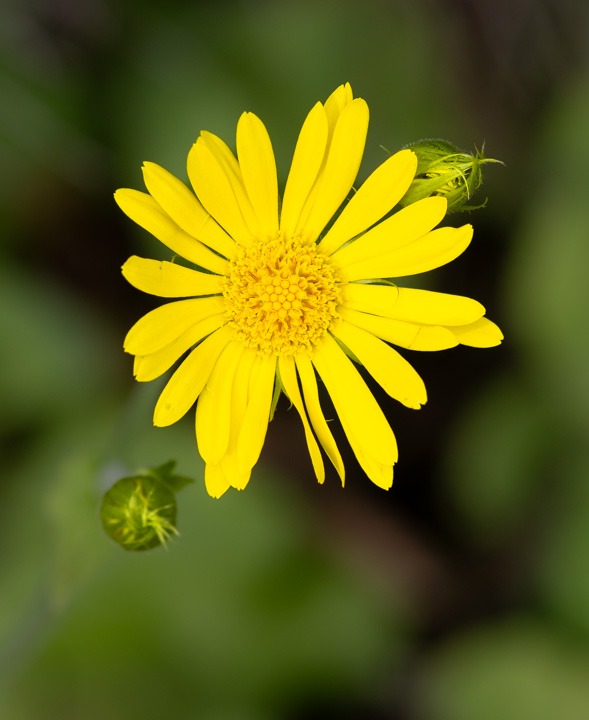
281	295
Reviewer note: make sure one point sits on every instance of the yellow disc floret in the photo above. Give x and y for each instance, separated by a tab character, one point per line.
281	295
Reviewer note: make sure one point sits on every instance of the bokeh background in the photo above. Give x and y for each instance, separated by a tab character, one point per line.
461	593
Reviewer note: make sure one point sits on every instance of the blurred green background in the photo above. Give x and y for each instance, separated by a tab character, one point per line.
464	591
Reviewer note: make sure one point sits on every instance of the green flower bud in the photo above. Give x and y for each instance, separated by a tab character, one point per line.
443	169
139	512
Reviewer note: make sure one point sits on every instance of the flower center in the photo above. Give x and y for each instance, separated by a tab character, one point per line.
281	295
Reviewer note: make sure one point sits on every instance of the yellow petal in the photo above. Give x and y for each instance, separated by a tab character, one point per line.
482	334
258	168
377	196
418	306
354	403
167	279
395	232
337	177
223	154
187	382
311	394
381	474
163	325
407	335
306	161
181	205
239	400
149	367
288	375
237	478
257	415
228	162
339	99
431	338
214	184
391	371
146	212
429	252
213	411
215	481
310	166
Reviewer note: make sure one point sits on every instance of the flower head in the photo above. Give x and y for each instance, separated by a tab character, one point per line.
139	513
443	169
278	300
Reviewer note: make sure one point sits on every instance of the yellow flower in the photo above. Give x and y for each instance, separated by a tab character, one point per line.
280	300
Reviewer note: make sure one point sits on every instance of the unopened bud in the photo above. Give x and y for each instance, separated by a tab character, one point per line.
139	512
443	169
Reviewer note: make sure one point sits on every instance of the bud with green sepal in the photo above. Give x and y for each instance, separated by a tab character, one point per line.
139	512
443	169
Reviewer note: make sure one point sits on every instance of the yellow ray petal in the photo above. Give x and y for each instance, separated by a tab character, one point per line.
214	185
395	232
149	367
337	177
224	156
257	415
167	279
380	474
288	375
215	481
258	168
377	196
163	325
339	99
228	161
391	371
417	306
306	161
354	403
182	206
213	411
407	335
313	155
237	478
146	212
311	395
481	334
239	400
429	252
187	382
